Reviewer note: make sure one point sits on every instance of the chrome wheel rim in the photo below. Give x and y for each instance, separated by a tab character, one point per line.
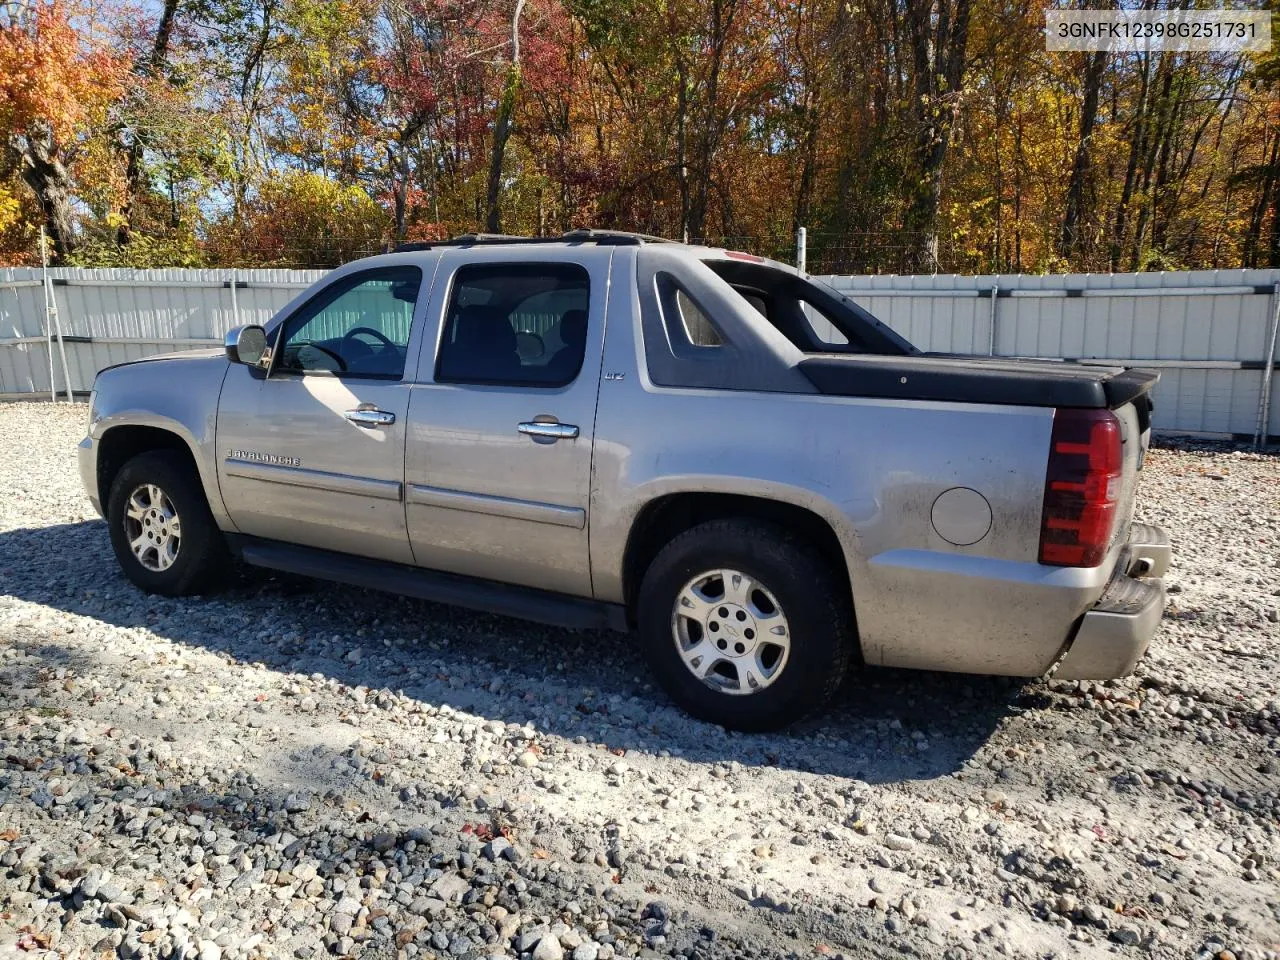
152	527
731	632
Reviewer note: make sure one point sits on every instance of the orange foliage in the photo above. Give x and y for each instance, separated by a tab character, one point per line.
52	80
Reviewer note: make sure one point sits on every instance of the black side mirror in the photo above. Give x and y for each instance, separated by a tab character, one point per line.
246	344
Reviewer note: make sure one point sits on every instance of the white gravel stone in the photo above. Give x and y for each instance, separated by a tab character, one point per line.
215	767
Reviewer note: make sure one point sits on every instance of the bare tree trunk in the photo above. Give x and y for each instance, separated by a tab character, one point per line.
47	176
149	68
1273	252
502	125
398	169
1095	66
1019	165
1137	137
1253	235
711	127
938	53
682	146
804	29
1158	132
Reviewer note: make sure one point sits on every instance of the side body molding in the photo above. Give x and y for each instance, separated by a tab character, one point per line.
313	479
494	506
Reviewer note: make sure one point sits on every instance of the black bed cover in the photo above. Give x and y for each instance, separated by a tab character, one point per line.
967	379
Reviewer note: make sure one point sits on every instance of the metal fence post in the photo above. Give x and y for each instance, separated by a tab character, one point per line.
995	298
1268	373
51	322
48	325
235	302
802	237
62	345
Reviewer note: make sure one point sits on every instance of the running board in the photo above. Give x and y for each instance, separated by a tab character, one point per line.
524	603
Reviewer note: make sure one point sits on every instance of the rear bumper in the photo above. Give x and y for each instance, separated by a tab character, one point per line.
1114	635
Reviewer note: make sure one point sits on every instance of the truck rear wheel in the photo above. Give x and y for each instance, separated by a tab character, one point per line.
744	625
161	529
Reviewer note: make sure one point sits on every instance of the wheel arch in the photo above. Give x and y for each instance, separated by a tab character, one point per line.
119	444
665	517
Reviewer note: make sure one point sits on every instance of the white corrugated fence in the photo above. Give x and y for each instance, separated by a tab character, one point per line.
112	315
1208	332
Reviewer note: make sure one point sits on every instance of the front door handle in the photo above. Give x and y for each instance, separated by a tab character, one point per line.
551	431
365	417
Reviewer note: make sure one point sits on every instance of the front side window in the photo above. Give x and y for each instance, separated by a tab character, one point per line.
358	327
519	324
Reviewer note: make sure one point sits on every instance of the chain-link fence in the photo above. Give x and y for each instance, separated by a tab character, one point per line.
845	252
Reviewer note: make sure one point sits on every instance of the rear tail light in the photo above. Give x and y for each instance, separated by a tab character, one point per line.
1082	488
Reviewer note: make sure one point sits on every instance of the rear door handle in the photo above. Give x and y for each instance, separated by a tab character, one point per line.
551	431
370	418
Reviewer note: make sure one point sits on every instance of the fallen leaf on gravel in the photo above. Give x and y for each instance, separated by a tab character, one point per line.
540	854
9	835
33	940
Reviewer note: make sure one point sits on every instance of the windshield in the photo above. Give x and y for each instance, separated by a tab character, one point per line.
815	317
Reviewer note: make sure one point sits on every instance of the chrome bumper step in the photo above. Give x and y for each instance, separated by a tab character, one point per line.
1149	551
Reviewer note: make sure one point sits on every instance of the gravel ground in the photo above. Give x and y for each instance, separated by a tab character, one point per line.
292	768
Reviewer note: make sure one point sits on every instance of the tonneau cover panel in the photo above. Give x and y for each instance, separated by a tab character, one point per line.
999	380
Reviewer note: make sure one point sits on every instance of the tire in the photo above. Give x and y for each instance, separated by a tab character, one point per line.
751	688
195	557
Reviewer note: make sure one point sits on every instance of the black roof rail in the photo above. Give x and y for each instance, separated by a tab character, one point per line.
603	237
619	237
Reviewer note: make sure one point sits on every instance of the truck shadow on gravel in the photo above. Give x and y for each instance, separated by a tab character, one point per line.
883	726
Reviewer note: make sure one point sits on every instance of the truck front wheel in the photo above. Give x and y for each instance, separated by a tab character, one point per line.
161	529
744	625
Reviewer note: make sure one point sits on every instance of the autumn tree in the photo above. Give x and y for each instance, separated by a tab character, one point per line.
300	219
56	91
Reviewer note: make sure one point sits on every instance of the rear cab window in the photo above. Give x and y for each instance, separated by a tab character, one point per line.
519	324
813	316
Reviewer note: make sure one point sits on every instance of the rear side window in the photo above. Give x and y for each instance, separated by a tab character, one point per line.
518	324
684	316
821	326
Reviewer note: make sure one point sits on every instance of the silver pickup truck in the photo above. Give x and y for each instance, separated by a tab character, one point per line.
726	457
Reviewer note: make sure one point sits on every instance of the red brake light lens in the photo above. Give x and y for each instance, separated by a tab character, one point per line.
1082	488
